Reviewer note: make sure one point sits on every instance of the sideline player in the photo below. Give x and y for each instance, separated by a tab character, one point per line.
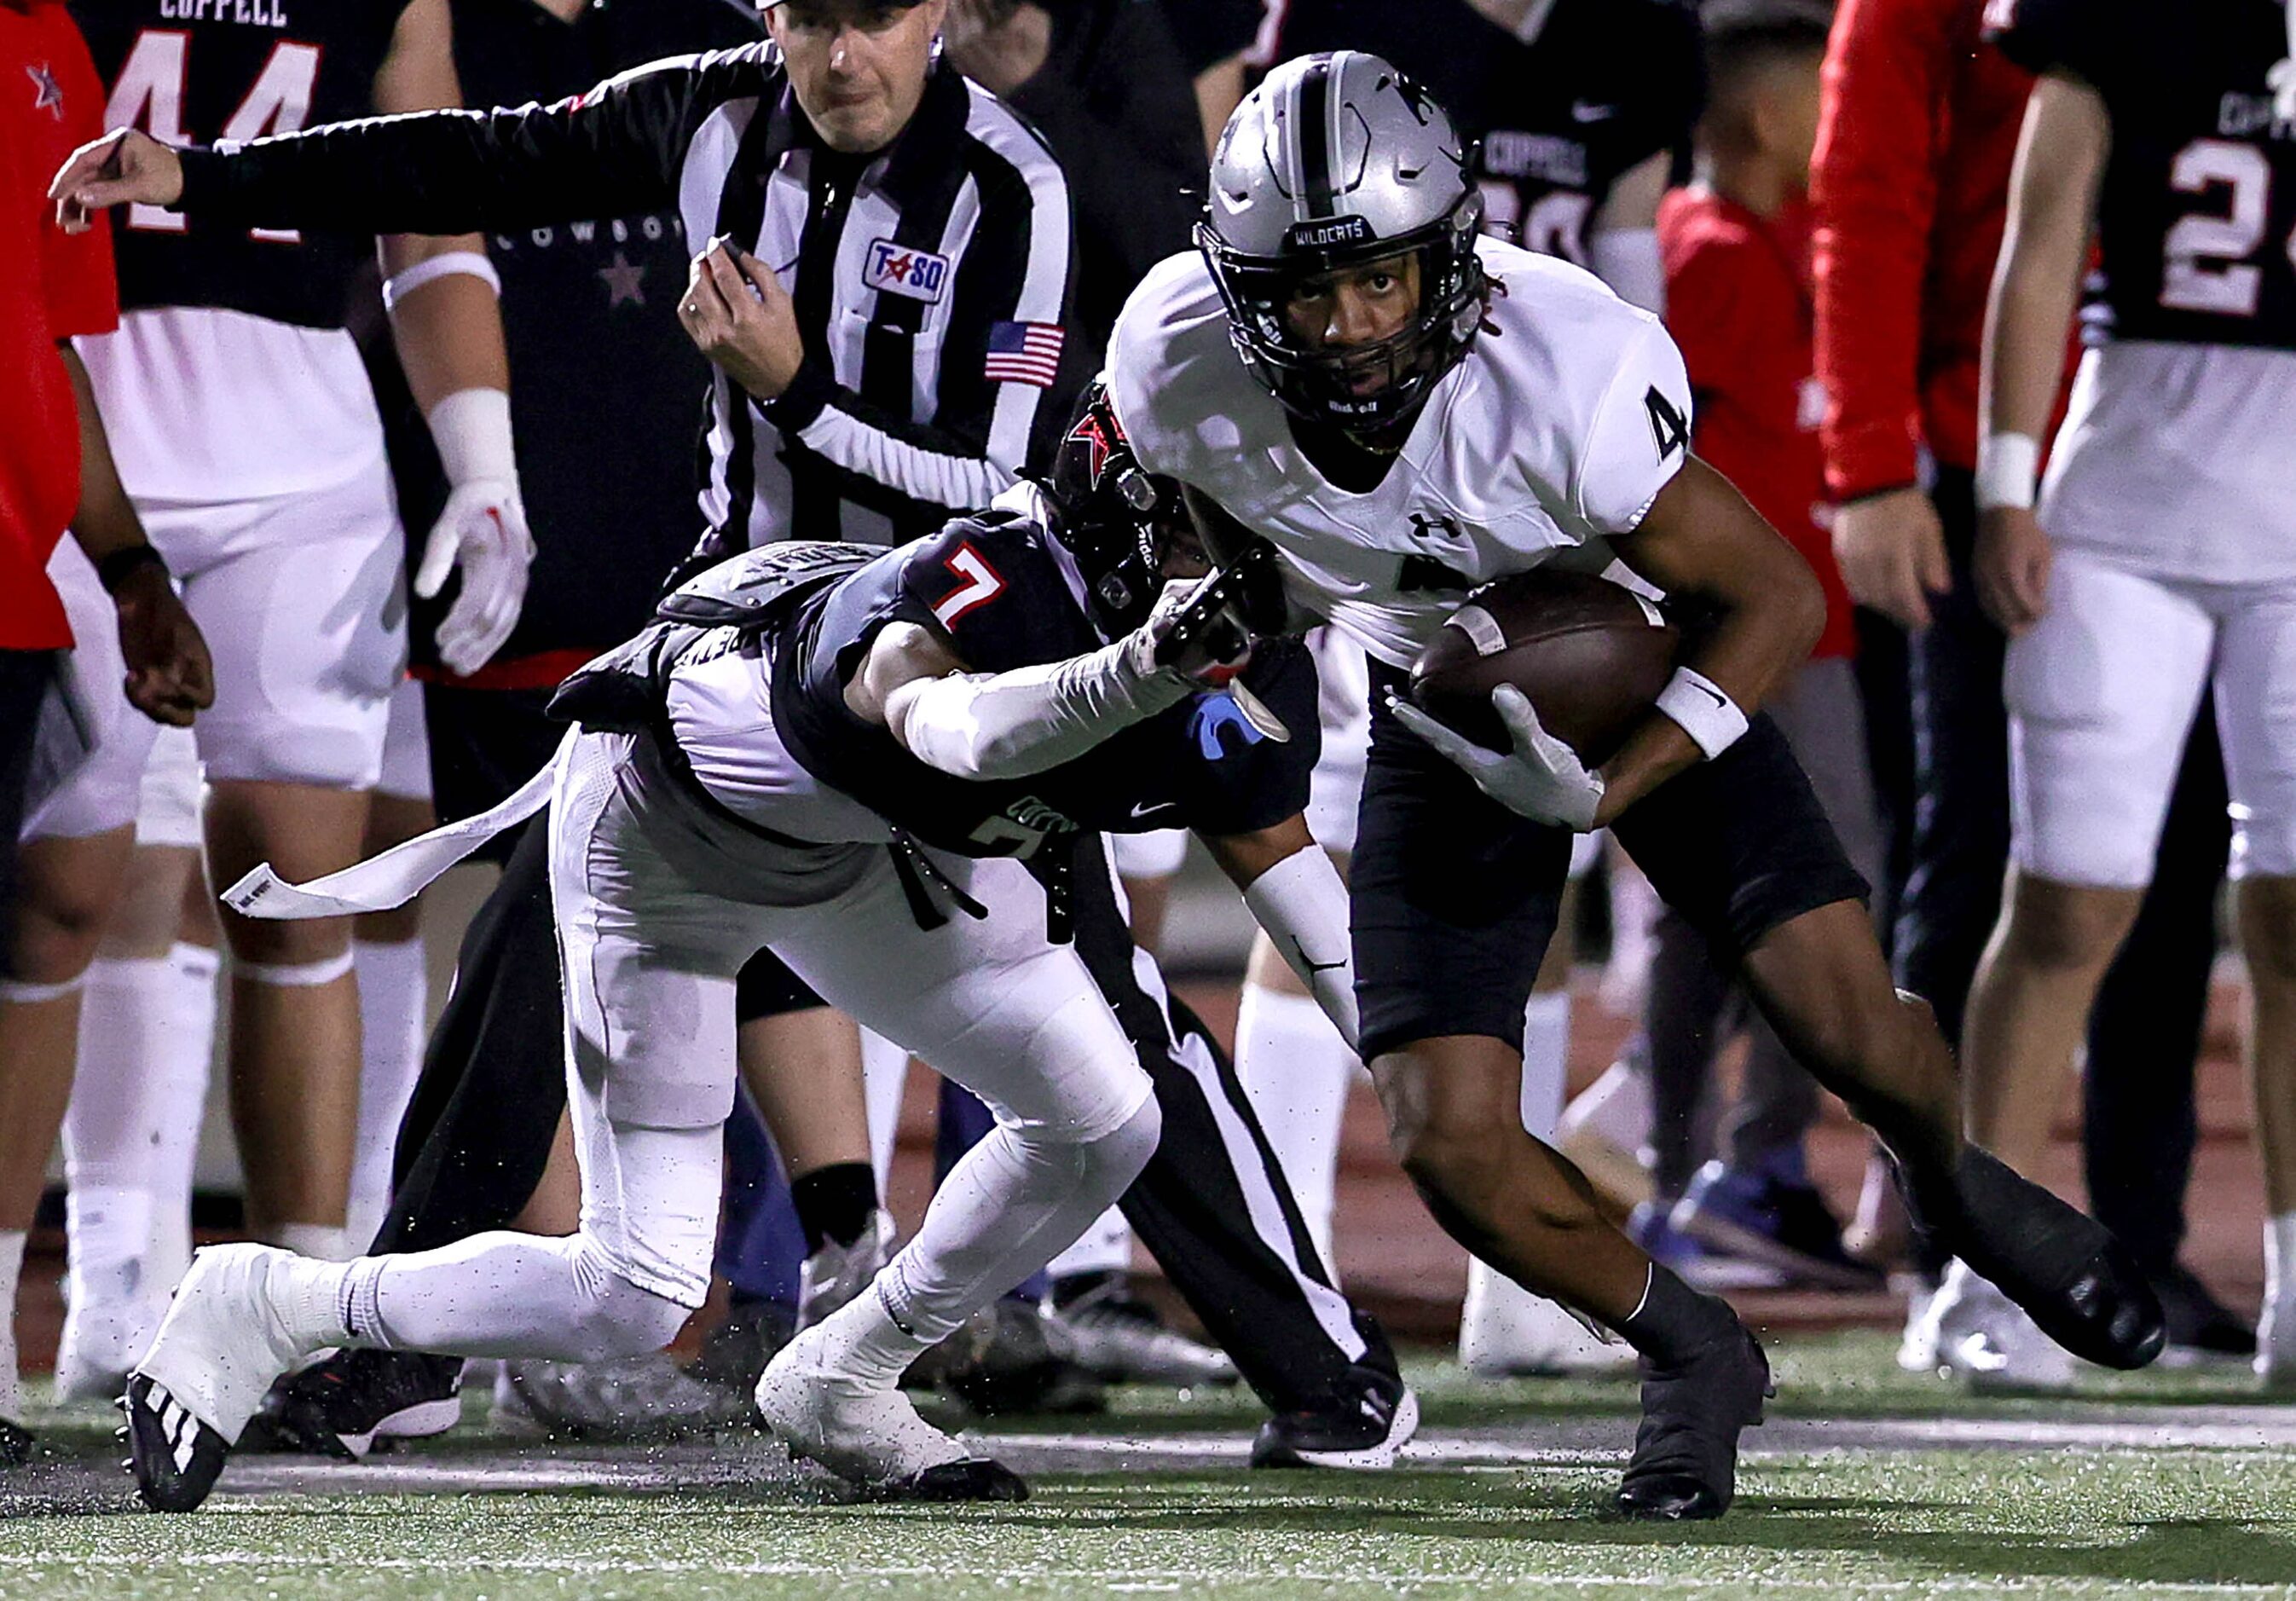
2161	547
1403	410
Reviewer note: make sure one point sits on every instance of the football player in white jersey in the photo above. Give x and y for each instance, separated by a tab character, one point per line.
1404	410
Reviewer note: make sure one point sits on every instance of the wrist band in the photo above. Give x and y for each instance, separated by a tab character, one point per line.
2008	466
1711	718
470	263
114	568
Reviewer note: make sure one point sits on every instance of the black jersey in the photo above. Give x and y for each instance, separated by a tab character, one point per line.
198	70
1602	88
2197	211
1005	595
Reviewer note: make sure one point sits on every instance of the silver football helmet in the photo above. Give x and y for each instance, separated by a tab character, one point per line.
1335	160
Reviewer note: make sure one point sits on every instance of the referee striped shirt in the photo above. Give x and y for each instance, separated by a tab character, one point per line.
931	280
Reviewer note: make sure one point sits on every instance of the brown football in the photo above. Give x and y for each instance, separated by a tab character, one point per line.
1591	654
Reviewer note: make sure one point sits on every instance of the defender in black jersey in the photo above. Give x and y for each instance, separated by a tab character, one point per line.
2157	555
775	765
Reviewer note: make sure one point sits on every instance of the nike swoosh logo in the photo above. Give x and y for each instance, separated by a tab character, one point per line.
1712	694
1150	809
1309	962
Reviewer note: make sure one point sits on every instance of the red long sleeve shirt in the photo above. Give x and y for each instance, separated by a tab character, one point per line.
1916	132
52	286
1737	302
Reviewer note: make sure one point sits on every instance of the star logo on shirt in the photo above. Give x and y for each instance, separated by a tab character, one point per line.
48	95
624	282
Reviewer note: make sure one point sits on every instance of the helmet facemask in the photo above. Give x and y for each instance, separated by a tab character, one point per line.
1118	522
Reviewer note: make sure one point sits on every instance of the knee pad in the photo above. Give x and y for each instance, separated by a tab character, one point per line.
619	1318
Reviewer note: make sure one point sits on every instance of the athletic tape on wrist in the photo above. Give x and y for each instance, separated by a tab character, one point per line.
1711	718
472	429
2008	468
471	264
294	975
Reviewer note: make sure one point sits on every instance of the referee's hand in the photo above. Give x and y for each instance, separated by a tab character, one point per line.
737	312
125	165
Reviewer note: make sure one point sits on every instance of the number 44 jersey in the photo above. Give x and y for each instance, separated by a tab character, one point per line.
194	71
2176	454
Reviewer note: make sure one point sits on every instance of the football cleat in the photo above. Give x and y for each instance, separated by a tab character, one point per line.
1977	1336
2200	1327
1685	1459
2081	1286
1118	1337
176	1456
341	1407
835	1274
870	1434
1771	1217
1363	1426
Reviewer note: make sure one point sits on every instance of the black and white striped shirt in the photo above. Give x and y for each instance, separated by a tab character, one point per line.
931	280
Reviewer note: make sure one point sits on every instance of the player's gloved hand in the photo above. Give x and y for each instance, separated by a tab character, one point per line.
1211	657
483	533
1542	779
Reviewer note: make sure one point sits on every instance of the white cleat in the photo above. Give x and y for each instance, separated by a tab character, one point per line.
869	1434
218	1351
1985	1340
1506	1331
835	1274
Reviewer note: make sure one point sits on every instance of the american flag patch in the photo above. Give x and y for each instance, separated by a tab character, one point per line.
1024	353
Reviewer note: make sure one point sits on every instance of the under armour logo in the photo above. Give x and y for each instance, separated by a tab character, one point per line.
1426	526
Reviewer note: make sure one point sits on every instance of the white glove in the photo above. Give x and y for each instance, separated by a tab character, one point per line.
483	533
1543	780
1196	664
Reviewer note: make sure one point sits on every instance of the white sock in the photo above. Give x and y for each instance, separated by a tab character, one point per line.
1105	1247
394	1004
1545	1062
321	1242
11	1268
884	1077
1006	1208
1298	1072
2280	1257
131	1129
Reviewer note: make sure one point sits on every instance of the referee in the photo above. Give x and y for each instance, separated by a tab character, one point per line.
885	265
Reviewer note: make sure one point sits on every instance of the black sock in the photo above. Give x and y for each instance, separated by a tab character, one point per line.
835	1203
1675	1321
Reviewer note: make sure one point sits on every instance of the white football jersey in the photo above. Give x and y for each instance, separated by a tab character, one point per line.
1569	414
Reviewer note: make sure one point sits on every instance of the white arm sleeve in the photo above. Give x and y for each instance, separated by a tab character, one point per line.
1010	724
1303	905
1638	435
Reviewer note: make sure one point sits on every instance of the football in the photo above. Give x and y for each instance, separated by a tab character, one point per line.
1591	655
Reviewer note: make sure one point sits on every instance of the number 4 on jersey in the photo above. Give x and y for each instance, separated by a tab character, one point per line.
1670	429
150	93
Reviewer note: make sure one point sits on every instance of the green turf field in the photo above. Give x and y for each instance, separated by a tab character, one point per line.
1862	1484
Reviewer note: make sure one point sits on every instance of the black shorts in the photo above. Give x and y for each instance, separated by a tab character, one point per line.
1453	898
484	743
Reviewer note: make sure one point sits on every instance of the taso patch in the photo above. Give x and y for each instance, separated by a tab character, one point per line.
896	269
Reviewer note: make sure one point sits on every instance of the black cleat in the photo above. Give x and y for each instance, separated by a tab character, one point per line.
1686	1462
1363	1426
2200	1327
975	1478
339	1408
176	1457
16	1444
2079	1283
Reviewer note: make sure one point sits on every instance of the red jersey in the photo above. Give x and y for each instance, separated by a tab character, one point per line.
1916	134
1738	304
52	286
